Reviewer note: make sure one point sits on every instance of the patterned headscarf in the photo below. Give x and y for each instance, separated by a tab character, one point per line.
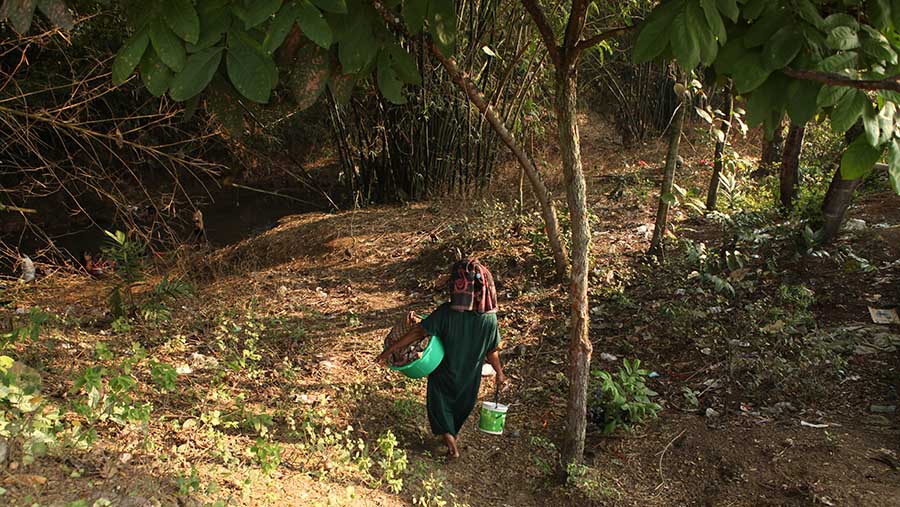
472	288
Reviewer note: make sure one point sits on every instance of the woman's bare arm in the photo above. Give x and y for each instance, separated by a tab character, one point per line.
415	333
493	359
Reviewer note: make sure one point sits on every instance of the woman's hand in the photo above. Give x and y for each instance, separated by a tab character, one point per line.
500	379
382	358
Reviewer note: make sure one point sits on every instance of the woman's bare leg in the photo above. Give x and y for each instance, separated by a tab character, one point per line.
452	450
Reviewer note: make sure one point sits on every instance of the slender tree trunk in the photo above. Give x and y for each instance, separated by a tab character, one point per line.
548	210
839	195
790	165
580	348
713	194
772	151
662	212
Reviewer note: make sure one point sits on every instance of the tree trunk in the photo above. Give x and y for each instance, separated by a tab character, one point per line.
713	194
840	194
662	212
772	151
580	347
790	165
548	210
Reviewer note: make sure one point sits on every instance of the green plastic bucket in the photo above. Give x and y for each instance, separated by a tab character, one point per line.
423	366
493	417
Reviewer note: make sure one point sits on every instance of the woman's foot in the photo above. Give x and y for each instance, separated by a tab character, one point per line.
452	449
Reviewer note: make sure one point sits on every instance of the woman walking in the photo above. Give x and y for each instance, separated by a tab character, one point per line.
468	329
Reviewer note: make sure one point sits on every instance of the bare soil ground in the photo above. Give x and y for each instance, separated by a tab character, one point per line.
321	291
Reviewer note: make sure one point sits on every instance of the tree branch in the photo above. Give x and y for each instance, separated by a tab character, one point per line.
577	19
602	36
830	78
543	26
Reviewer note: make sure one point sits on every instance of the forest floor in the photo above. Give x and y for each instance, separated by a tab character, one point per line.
767	395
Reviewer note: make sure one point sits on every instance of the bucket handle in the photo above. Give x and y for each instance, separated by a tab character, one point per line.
496	393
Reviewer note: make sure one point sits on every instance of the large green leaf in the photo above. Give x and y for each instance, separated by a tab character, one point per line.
840	62
442	24
754	9
313	24
871	124
280	27
894	165
214	22
155	74
685	45
310	75
706	40
129	56
840	19
336	6
414	12
810	13
782	47
19	12
763	29
403	63
729	8
886	121
714	20
895	13
802	104
391	87
357	46
198	72
251	70
750	73
167	45
767	100
731	56
858	159
880	13
57	12
842	38
831	95
848	110
181	17
256	11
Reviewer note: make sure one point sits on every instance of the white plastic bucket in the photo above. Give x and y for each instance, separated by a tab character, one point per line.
493	417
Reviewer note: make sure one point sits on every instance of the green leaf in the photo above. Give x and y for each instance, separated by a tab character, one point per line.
668	198
336	6
895	13
684	41
894	165
181	17
313	24
358	46
310	76
750	73
763	29
280	27
709	48
167	45
729	8
810	13
214	22
879	48
768	96
57	12
842	38
886	121
848	110
731	56
871	124
880	13
404	64
753	9
840	62
129	56
251	70
831	95
782	48
198	72
388	84
840	19
20	13
652	39
714	19
802	104
414	12
256	12
858	159
155	74
442	24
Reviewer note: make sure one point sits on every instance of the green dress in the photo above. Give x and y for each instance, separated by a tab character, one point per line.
453	386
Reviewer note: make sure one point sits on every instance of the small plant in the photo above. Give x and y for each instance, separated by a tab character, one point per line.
155	309
128	256
188	484
392	461
163	375
268	454
622	400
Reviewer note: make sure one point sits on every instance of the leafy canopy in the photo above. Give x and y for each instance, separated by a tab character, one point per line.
805	58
